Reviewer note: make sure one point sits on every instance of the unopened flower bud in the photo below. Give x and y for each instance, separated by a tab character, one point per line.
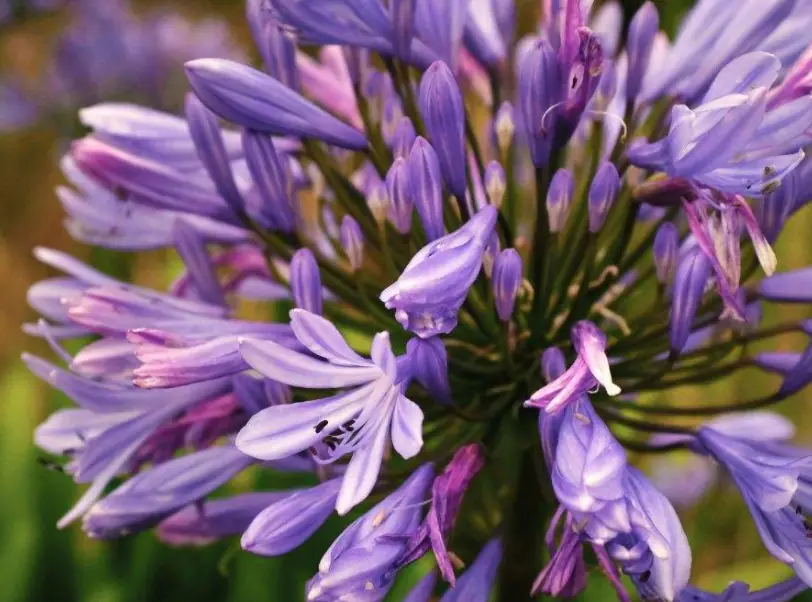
427	187
495	184
305	282
539	88
504	127
559	199
443	112
378	202
602	195
403	138
507	278
553	363
352	240
401	201
666	246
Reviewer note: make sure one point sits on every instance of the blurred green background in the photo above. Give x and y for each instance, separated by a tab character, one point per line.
39	563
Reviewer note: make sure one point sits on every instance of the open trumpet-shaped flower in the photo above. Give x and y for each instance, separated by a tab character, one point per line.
359	421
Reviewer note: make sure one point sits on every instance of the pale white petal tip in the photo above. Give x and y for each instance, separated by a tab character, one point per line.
612	389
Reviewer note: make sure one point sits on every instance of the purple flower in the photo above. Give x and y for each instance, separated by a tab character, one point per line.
788	287
204	522
352	241
506	281
426	184
483	32
360	23
446	499
156	493
443	112
271	179
435	283
289	521
602	193
665	249
256	101
588	472
401	199
591	367
305	282
712	35
539	87
642	30
428	362
476	582
559	199
363	558
690	279
740	592
114	421
655	554
423	590
357	421
440	25
774	480
565	573
726	142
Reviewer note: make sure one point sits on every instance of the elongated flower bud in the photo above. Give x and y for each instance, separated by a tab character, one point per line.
495	183
666	246
642	31
403	138
506	281
559	199
401	199
444	115
212	151
693	271
271	179
429	366
602	194
553	363
257	101
352	240
539	85
305	282
192	248
427	187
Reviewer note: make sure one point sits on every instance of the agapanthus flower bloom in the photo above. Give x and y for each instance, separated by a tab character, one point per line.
433	268
107	51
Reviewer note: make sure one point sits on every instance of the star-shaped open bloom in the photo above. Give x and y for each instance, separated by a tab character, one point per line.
360	420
